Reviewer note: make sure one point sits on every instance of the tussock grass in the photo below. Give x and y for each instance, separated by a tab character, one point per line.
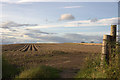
40	72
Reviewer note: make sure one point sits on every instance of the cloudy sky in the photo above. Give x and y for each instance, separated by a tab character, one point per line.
30	21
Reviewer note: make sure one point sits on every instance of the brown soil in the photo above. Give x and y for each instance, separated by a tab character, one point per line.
68	57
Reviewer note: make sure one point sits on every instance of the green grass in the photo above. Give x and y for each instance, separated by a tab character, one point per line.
8	70
40	72
92	69
11	71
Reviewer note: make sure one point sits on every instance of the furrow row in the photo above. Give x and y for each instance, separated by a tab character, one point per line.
30	47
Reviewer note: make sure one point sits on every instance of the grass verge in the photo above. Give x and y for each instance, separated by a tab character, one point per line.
40	72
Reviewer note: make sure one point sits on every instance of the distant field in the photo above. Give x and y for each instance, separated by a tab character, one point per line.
69	57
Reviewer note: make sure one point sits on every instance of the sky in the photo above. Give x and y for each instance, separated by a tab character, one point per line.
29	21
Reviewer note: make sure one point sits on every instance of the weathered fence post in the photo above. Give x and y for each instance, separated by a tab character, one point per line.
113	32
113	40
105	50
109	42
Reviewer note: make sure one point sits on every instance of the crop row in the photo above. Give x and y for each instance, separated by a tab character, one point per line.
28	47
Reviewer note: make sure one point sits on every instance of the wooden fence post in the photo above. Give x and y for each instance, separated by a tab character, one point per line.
113	32
113	40
105	50
107	46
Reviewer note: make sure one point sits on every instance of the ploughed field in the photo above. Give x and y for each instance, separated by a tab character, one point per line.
69	57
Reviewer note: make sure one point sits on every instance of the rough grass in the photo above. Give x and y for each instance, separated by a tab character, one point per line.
11	71
92	69
8	70
40	72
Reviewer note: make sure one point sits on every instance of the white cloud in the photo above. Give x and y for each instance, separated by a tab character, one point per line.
1	16
37	31
81	23
32	33
113	21
72	6
10	24
94	20
66	17
65	38
25	36
100	22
